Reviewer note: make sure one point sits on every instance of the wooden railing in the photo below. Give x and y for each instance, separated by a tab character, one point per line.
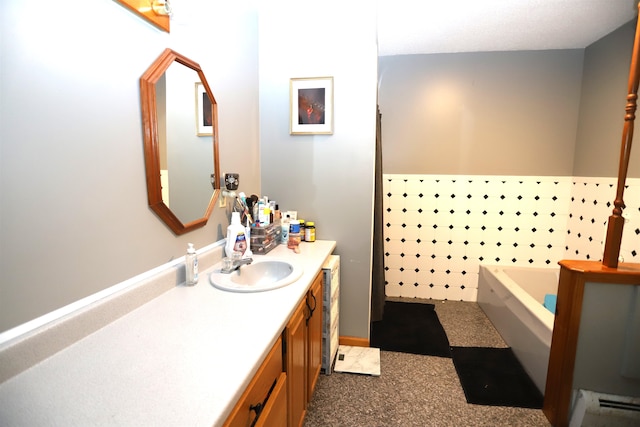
616	221
574	278
574	275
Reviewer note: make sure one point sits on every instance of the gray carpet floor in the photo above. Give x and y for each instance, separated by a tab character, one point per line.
416	390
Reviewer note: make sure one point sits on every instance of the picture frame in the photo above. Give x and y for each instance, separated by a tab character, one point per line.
311	106
204	112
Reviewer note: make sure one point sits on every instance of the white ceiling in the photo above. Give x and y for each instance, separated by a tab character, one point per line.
442	26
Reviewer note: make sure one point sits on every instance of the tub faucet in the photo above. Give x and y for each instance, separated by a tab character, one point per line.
236	264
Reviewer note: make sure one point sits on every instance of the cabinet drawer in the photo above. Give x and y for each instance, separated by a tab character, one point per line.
274	413
258	389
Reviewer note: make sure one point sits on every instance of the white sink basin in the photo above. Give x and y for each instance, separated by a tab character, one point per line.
257	277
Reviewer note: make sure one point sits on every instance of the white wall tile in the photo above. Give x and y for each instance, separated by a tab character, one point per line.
411	247
439	293
454	293
393	260
408	276
393	290
393	276
588	221
470	294
531	207
424	292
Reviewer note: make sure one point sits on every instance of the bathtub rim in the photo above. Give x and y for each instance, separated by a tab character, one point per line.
523	322
534	307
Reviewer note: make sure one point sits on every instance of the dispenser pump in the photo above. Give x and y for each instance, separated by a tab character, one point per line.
235	218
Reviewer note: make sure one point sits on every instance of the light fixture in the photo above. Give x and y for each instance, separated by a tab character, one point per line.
231	182
156	12
161	7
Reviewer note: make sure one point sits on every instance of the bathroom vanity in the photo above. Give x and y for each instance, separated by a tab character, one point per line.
189	356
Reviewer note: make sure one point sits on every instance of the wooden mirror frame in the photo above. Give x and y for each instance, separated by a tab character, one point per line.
152	145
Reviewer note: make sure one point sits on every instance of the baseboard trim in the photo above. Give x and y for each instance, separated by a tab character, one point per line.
354	341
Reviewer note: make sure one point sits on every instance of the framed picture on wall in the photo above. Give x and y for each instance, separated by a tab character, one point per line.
204	113
311	106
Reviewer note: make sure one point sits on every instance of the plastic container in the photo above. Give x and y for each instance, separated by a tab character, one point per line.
237	239
294	236
310	232
191	266
263	239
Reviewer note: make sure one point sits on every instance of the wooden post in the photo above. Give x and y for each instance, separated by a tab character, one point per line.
616	221
574	277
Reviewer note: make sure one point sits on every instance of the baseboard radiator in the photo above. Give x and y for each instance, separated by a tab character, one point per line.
598	409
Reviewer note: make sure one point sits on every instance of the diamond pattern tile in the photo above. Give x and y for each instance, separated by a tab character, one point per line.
439	228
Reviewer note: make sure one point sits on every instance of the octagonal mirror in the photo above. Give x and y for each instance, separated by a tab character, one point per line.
180	123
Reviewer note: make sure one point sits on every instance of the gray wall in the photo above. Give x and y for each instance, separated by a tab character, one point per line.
607	353
508	113
602	106
493	113
326	178
73	206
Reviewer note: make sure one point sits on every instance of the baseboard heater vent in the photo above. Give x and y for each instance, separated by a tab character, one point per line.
593	409
629	406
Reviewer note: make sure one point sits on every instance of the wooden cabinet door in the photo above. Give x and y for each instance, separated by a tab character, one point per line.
314	302
296	363
275	411
257	393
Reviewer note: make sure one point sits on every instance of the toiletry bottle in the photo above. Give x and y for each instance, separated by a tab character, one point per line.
236	236
265	219
302	233
310	232
284	233
256	213
260	212
272	208
247	235
191	265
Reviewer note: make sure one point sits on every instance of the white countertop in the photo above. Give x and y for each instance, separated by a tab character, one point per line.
184	358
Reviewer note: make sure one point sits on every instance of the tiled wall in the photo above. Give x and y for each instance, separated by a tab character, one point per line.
590	206
439	228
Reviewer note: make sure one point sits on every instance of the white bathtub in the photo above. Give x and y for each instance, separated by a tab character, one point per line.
512	299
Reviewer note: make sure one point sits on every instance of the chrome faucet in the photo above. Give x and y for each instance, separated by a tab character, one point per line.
236	264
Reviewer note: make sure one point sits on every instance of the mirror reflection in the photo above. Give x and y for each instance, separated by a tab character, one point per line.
180	124
186	157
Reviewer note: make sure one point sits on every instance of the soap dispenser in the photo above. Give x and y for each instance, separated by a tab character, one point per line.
191	265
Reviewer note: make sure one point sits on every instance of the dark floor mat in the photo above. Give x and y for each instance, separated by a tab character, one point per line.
410	328
495	377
